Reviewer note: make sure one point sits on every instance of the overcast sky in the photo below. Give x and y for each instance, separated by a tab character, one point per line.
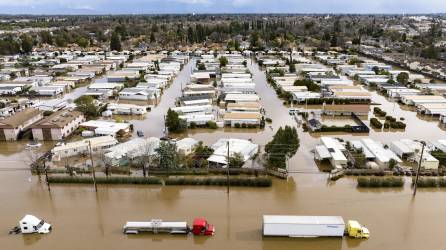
219	6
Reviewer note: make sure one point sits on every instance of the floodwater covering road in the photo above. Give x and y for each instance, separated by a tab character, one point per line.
83	219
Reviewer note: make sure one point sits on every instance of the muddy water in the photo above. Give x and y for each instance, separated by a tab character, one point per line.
83	219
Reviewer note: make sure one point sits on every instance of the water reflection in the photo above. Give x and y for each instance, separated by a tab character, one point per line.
322	243
31	239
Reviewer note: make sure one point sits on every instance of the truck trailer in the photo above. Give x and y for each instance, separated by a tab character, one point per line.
200	227
312	226
303	226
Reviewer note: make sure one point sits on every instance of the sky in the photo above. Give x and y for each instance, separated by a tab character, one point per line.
219	6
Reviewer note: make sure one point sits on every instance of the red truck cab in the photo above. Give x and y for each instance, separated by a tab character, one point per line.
201	227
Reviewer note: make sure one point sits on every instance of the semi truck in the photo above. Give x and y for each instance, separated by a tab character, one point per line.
31	224
312	226
200	226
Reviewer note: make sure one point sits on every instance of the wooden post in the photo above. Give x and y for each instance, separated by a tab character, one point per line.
46	174
92	167
227	169
418	171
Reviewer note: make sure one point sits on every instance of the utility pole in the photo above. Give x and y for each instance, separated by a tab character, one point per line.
227	169
46	174
92	167
419	168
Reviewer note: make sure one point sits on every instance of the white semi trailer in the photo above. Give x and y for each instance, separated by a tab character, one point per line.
303	226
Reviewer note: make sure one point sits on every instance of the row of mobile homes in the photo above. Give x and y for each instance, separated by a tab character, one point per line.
126	109
139	147
105	127
70	149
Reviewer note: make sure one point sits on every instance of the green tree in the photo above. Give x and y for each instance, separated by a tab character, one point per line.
174	123
46	37
392	163
236	160
202	151
311	86
223	61
27	43
403	78
87	106
60	41
292	67
167	155
283	145
115	42
82	41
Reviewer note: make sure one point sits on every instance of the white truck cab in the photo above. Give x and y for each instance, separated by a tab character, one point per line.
31	224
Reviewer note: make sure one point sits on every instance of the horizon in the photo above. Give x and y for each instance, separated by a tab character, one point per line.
159	7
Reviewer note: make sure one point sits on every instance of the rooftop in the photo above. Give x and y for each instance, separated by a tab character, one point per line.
58	119
19	118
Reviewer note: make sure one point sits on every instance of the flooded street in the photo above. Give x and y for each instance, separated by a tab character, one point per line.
83	219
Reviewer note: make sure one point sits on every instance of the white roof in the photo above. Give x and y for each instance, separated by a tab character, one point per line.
305	220
334	147
133	148
189	109
242	97
322	151
243	147
186	143
358	145
95	142
197	117
382	154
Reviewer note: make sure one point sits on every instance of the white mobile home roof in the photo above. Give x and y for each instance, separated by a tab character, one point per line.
381	154
334	147
242	97
359	145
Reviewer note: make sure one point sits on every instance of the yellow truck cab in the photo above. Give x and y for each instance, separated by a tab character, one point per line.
356	230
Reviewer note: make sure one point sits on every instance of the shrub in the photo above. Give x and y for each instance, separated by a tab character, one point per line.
193	125
375	123
377	111
237	125
211	125
104	180
378	182
220	181
363	182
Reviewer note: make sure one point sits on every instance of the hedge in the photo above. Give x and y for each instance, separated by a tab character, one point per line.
221	181
430	182
378	182
379	112
104	180
375	123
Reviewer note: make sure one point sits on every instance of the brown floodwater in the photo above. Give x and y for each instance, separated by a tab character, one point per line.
83	219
